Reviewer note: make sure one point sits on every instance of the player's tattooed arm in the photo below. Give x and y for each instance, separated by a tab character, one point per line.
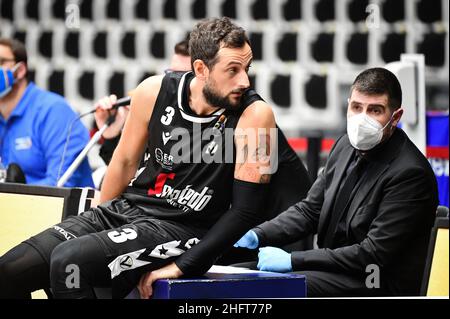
253	137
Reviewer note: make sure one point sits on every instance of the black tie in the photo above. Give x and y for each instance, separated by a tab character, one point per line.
342	198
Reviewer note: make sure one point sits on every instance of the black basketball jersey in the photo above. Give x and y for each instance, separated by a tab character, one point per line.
188	168
187	172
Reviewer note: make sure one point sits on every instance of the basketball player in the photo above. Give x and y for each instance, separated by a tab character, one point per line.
177	213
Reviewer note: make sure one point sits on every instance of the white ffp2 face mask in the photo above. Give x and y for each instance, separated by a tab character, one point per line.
364	132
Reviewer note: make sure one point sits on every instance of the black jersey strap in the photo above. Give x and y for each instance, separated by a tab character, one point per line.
247	210
249	97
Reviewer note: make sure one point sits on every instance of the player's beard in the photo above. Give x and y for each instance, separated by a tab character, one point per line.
213	97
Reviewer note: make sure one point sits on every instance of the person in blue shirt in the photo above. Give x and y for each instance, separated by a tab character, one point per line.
34	124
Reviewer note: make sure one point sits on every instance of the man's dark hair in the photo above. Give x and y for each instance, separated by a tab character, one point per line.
182	47
17	48
379	81
210	35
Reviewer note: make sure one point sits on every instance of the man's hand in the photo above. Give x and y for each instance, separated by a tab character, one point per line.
102	111
249	240
274	259
145	284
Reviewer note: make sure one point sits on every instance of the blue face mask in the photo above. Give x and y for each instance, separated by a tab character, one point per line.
7	80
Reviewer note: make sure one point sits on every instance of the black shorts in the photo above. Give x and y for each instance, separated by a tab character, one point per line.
130	240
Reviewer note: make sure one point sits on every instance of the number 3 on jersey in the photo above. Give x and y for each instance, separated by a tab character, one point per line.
166	119
123	236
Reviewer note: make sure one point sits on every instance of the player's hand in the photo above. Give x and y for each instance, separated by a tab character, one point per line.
274	259
102	111
249	240
145	284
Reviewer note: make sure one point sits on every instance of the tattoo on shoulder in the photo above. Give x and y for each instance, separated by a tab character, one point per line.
253	160
262	152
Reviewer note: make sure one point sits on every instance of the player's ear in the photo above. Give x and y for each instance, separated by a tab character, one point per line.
200	69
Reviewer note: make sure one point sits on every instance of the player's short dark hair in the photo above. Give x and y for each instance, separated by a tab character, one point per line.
17	48
182	48
379	81
209	35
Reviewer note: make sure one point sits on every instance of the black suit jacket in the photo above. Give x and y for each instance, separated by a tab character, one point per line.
388	222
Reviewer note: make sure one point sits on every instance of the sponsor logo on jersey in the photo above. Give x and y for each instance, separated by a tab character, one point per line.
187	198
164	159
67	235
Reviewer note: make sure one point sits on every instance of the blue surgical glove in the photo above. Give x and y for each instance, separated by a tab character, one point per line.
249	240
274	259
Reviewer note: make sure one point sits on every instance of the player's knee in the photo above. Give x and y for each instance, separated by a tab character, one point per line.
64	255
75	255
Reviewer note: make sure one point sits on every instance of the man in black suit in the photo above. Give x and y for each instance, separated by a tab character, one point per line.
373	205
